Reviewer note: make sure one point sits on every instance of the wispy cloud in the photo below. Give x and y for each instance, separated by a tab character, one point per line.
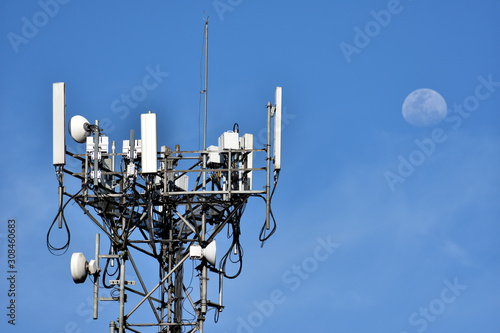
456	253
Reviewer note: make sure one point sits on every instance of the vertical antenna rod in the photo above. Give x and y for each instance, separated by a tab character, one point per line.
268	165
206	79
96	277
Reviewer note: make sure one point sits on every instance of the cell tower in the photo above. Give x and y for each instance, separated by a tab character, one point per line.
164	206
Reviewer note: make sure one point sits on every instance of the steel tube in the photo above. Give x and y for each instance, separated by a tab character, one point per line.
96	277
122	294
96	152
268	166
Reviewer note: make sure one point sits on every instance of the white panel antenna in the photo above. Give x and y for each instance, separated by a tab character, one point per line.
59	123
148	138
277	129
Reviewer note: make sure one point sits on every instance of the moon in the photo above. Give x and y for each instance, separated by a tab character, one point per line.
424	107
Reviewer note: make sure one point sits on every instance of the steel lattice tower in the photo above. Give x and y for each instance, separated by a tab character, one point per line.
163	205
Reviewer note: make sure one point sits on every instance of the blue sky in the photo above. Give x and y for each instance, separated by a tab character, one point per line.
354	251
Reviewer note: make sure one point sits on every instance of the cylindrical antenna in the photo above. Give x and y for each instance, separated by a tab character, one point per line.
268	166
221	278
206	85
96	277
113	151
96	152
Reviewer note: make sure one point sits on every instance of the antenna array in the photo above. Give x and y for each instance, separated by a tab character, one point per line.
165	206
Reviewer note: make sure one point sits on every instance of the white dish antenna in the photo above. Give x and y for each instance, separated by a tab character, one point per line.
79	128
80	268
209	252
277	129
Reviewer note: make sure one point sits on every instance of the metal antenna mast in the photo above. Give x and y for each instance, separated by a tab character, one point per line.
159	208
206	84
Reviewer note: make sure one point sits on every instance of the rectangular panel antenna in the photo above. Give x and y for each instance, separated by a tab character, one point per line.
58	123
277	129
148	141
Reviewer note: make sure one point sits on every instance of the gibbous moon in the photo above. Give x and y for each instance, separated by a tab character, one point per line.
424	107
